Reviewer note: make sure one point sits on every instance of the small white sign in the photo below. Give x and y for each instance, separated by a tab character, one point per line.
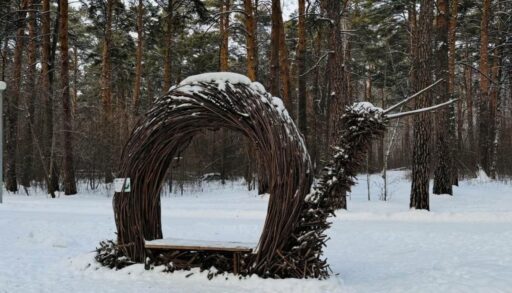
122	185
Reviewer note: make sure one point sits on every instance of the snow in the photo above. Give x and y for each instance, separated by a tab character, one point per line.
362	107
258	87
219	77
462	245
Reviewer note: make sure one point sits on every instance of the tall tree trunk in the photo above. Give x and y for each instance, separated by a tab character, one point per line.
319	147
275	77
138	63
74	100
443	172
47	95
275	83
468	88
301	71
224	35
337	82
168	47
106	94
27	173
452	34
252	72
422	61
4	41
284	68
224	66
413	28
452	30
484	119
14	90
251	40
495	105
337	85
69	169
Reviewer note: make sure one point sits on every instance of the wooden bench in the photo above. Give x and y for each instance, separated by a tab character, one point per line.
235	248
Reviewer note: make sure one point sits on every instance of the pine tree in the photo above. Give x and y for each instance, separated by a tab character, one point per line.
301	71
168	45
14	93
106	93
422	62
138	62
27	174
484	117
337	89
68	164
47	61
443	172
251	40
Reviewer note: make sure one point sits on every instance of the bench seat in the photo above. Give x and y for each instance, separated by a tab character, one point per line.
235	248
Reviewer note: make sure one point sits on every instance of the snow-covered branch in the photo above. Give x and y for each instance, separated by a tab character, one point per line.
421	110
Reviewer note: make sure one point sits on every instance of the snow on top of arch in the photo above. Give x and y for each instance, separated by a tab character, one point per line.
221	78
362	107
218	77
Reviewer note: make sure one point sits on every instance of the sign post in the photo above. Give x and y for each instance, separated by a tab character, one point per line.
3	86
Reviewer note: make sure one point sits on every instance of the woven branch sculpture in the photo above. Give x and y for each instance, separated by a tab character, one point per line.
293	236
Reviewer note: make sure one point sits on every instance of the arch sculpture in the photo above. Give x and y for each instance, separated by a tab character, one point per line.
293	235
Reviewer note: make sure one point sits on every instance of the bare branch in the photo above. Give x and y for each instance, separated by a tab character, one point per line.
411	97
421	110
317	63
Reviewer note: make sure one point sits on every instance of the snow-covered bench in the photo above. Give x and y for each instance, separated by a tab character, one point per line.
235	248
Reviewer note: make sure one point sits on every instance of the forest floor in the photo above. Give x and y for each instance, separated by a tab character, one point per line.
463	245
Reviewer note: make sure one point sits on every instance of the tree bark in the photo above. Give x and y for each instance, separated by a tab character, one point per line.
106	93
168	47
27	174
275	83
224	35
138	62
338	87
484	117
412	25
14	90
4	41
452	35
224	66
301	70
468	88
443	173
495	109
337	83
74	97
47	69
69	169
251	40
422	61
252	72
284	68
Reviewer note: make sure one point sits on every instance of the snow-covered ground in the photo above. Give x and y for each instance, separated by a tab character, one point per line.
463	245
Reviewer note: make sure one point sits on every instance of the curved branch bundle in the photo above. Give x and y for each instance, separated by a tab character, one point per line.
293	236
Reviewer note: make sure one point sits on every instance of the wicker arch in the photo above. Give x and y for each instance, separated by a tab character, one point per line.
211	101
293	237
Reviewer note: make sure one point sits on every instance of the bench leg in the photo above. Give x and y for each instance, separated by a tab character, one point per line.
146	259
236	262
